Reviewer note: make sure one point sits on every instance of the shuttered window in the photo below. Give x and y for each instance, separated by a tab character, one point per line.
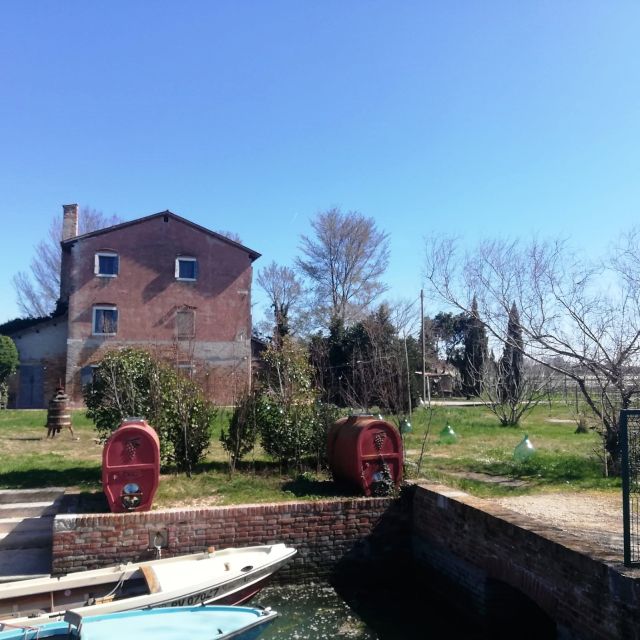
185	323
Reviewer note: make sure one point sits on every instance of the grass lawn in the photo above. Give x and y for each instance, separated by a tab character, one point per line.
480	460
564	460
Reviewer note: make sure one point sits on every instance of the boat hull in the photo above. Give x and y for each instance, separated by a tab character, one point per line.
228	576
195	623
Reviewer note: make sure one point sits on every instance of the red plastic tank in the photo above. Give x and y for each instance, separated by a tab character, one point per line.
365	452
131	466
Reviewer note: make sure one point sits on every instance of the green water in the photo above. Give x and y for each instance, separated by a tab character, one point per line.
374	612
311	612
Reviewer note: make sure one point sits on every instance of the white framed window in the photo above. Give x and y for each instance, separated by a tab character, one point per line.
105	320
106	264
186	268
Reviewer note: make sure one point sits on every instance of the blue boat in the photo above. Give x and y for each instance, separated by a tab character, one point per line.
176	623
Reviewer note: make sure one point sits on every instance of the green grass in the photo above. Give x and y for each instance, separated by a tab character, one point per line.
31	460
564	460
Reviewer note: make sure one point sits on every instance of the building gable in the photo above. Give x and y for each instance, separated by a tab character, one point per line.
165	216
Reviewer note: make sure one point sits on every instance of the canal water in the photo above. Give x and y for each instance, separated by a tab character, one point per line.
360	612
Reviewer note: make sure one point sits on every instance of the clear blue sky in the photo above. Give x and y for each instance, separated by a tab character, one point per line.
483	118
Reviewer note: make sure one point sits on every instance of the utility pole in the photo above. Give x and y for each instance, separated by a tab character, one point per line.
424	359
406	358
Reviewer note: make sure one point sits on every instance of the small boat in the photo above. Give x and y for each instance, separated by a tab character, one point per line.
228	576
177	623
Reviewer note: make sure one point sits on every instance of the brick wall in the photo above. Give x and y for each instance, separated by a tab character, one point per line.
324	533
472	549
148	297
480	557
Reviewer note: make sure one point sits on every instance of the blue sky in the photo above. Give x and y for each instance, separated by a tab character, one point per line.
479	118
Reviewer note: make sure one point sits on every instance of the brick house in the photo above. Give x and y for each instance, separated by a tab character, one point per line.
159	282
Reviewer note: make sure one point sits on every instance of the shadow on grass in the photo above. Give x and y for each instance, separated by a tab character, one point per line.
548	468
303	486
266	467
88	502
35	478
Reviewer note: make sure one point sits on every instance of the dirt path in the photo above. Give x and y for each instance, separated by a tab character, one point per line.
594	516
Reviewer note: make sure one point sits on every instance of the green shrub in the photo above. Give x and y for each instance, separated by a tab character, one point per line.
326	414
131	382
286	429
8	365
243	429
283	410
187	419
8	357
285	403
124	385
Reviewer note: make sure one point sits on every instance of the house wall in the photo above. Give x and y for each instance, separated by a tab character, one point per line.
42	353
148	295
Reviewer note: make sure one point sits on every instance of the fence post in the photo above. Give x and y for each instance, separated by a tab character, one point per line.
630	453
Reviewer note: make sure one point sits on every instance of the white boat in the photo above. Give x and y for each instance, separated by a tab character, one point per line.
177	623
228	576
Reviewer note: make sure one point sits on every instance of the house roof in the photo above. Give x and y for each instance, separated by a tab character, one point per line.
253	255
20	326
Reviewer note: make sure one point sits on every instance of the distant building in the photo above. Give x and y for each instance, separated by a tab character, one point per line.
159	282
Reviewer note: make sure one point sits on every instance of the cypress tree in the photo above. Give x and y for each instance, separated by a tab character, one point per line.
511	362
476	347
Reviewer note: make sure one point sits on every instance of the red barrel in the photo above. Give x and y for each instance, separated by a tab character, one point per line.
131	466
365	452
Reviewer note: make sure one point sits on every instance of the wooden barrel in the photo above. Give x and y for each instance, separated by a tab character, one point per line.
58	415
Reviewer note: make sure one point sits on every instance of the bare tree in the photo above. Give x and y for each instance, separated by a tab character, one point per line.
232	235
579	318
531	387
38	289
284	291
344	261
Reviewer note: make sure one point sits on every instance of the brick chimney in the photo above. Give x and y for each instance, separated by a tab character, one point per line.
69	221
69	230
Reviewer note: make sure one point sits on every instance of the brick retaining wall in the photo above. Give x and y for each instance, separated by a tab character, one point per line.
472	549
474	553
323	532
